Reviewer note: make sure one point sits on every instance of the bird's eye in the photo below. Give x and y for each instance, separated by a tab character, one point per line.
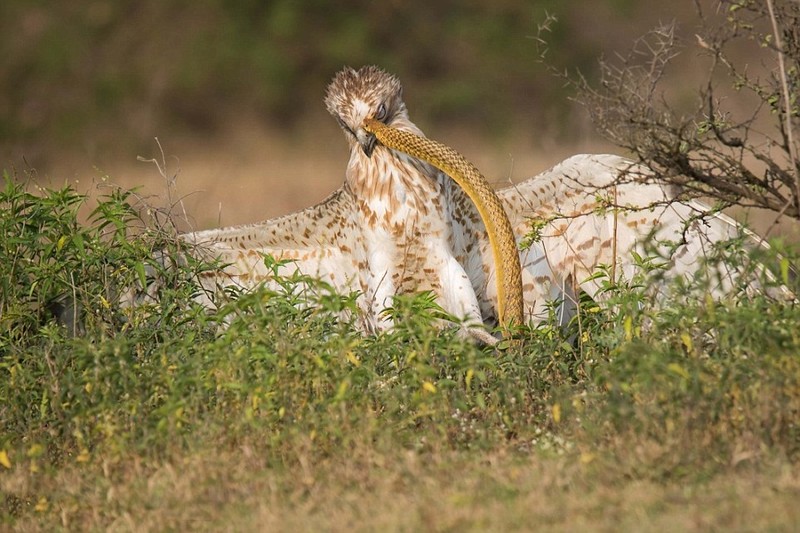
381	113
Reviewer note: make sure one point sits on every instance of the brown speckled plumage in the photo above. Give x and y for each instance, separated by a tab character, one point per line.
398	225
491	209
385	232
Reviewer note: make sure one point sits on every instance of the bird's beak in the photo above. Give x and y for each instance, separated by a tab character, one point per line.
366	140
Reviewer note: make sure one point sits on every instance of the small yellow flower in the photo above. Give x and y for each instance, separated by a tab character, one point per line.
627	325
4	460
428	386
41	505
352	358
687	341
556	412
35	450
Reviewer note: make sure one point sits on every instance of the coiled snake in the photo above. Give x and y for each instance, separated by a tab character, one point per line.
490	208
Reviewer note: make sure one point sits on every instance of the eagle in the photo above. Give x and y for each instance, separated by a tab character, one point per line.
398	225
385	231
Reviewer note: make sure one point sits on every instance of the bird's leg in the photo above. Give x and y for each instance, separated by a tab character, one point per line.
480	335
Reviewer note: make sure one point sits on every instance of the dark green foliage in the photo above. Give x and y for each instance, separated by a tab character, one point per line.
153	66
698	381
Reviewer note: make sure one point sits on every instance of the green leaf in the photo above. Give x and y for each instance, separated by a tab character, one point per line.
675	368
77	240
140	271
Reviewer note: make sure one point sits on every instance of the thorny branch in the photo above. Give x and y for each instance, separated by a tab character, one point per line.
707	150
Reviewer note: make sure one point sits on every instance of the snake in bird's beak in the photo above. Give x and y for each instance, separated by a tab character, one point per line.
367	141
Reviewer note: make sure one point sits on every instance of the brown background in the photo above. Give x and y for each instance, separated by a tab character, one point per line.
234	92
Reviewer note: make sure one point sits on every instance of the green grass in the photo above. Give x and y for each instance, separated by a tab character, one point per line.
276	414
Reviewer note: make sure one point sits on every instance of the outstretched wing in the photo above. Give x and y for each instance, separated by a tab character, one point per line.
316	241
593	210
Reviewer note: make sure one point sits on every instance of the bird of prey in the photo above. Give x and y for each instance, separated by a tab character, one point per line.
398	225
386	231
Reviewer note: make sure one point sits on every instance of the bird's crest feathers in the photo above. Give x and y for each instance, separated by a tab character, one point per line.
369	85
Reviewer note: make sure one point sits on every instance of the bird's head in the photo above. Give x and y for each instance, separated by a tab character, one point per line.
369	92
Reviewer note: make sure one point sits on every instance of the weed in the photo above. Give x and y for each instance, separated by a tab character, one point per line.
277	390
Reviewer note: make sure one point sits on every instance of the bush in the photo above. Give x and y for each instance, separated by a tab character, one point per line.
738	146
683	390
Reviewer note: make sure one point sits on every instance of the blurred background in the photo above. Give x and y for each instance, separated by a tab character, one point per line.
233	90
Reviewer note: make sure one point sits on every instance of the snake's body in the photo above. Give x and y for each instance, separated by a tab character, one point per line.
489	206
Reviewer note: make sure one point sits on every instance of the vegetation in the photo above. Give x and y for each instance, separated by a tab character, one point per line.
275	411
739	143
85	72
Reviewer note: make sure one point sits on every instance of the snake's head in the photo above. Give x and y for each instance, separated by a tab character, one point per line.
370	128
366	139
356	96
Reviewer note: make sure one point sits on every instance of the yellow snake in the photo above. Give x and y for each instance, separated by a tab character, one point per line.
490	208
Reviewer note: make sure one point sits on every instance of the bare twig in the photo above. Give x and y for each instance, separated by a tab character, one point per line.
170	180
787	117
709	151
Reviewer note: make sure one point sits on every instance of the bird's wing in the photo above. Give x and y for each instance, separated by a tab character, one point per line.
593	210
599	208
564	243
317	241
576	207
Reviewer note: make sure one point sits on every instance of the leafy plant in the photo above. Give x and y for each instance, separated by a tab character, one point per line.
279	382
